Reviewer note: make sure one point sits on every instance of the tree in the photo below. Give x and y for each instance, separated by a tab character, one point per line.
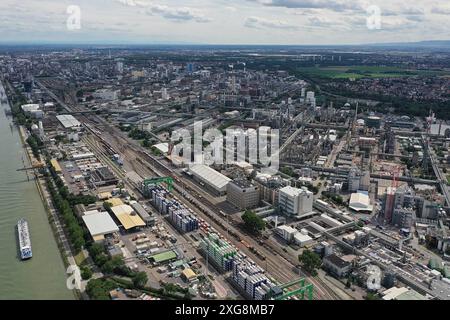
140	279
86	272
98	289
253	222
372	296
116	264
310	261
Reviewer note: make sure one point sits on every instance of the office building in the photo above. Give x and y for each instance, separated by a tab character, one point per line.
294	201
242	194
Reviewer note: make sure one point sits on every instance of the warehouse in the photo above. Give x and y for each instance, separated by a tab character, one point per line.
148	219
209	177
127	217
163	257
55	165
68	121
99	224
360	202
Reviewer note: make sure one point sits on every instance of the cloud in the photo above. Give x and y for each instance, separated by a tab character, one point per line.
403	11
257	22
232	9
441	10
177	13
133	3
334	5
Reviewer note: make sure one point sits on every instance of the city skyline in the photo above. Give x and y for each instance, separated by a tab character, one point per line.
290	22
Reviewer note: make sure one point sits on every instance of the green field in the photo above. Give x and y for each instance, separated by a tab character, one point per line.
358	72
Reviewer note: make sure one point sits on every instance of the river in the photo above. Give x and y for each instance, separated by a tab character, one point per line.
42	277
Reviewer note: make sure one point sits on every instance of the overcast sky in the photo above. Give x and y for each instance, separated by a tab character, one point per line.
224	21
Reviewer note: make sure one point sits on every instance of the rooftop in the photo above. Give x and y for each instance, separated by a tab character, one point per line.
243	183
164	256
210	175
68	121
100	223
360	201
294	192
337	261
127	217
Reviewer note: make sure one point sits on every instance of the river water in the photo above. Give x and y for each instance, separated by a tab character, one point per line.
42	277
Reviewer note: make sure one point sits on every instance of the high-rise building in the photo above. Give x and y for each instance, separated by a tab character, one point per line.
119	67
164	94
190	67
354	179
294	201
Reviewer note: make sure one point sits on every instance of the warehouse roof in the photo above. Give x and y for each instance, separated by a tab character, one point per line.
359	201
55	165
210	175
100	223
68	121
114	202
189	274
163	147
164	256
127	217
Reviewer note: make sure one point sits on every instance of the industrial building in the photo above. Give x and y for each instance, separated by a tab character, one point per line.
163	257
250	279
336	265
181	217
294	201
99	224
213	180
127	217
242	194
402	293
33	110
218	251
360	202
292	235
145	216
68	121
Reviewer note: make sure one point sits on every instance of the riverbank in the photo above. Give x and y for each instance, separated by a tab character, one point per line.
43	276
52	215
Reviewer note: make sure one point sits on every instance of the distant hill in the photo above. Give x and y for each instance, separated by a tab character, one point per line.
420	44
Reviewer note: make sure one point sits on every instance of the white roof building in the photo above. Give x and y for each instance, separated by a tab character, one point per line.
30	107
99	224
295	201
302	239
162	147
286	232
360	201
68	121
211	177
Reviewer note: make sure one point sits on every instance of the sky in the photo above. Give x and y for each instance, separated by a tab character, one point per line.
291	22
